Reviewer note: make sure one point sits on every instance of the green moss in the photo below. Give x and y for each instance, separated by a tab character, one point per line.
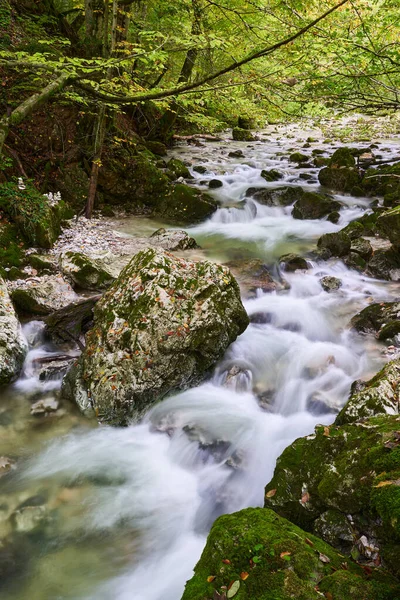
242	135
298	157
184	204
11	247
178	169
272	559
334	244
342	157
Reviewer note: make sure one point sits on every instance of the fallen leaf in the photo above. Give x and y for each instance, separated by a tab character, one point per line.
270	494
384	483
244	575
282	554
323	558
305	498
226	561
326	431
309	542
211	578
233	589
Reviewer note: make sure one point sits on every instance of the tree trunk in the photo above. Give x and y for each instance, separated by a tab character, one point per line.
98	148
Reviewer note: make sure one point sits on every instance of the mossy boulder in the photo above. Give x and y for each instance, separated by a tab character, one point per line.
298	157
380	395
11	247
341	179
246	122
165	322
314	206
362	247
293	262
42	296
389	223
178	169
385	264
383	181
378	318
13	346
255	554
280	196
271	175
85	272
185	205
343	482
157	148
334	244
252	275
173	239
242	135
342	157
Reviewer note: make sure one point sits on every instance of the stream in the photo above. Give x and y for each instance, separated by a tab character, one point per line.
123	514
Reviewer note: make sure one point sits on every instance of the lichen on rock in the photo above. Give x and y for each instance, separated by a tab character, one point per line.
160	328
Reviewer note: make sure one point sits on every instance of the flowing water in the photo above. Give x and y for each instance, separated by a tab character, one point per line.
121	514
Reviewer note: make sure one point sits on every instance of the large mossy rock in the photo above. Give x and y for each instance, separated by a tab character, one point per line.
383	181
379	396
385	264
279	196
389	223
334	244
37	219
255	554
177	168
242	135
185	205
314	206
85	272
341	173
42	296
382	318
13	346
161	327
344	484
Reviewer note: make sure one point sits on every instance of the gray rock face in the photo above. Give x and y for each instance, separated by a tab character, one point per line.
85	272
173	239
161	327
13	346
330	284
42	296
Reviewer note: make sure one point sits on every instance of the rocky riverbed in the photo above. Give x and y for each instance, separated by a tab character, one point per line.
134	310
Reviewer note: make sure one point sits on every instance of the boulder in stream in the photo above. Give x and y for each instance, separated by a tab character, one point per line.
382	318
255	554
293	262
242	135
314	206
173	239
334	244
42	295
330	284
13	346
160	328
389	222
279	196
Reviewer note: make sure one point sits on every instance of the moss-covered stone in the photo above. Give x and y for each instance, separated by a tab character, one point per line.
334	244
375	316
385	264
382	181
271	175
40	263
314	206
342	157
280	196
293	262
85	272
164	323
272	559
44	297
389	223
185	205
178	169
362	247
354	471
242	135
11	247
298	157
341	179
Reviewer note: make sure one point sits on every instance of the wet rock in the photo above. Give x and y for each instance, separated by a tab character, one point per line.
260	318
271	175
351	470
334	244
333	217
6	465
178	169
320	161
236	154
282	196
42	296
164	322
70	322
173	239
293	262
341	179
238	379
383	319
252	275
56	369
379	396
385	264
242	135
298	157
342	157
29	519
13	346
200	169
355	261
214	184
42	264
330	284
246	122
256	554
44	406
186	205
314	206
362	247
389	222
86	273
156	147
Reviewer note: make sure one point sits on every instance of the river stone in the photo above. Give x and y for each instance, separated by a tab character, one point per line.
271	175
385	264
44	406
382	318
42	296
341	179
298	157
379	396
362	247
389	222
334	244
257	555
252	275
314	206
160	328
173	239
352	470
293	262
214	184
330	284
13	346
178	169
86	273
281	196
242	135
184	205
